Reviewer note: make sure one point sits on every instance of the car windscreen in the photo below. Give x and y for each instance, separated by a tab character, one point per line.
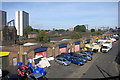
107	42
59	59
64	59
105	47
79	59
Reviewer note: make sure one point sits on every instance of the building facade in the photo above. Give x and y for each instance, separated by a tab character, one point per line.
3	17
32	35
21	21
3	22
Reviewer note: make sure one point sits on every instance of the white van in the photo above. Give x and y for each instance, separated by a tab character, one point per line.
106	46
102	41
109	44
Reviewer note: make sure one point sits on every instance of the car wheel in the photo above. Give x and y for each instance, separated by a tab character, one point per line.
78	64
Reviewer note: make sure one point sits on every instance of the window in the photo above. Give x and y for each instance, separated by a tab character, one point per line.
64	59
59	59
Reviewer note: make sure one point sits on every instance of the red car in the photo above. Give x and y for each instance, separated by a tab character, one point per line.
24	70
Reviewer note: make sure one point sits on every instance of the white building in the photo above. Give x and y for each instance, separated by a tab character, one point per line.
21	21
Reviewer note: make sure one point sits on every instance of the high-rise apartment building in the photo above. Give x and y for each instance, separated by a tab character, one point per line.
3	22
21	21
3	17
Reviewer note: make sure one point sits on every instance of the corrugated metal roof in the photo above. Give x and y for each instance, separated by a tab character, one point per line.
62	45
41	49
78	42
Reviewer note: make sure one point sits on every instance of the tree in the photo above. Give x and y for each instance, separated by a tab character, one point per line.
35	30
92	30
99	29
60	30
27	30
76	35
80	28
42	37
98	33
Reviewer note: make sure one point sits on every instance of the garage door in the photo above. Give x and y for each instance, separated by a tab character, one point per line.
63	50
42	53
77	47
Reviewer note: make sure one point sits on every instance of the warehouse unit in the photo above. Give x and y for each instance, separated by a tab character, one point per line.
77	46
62	48
41	51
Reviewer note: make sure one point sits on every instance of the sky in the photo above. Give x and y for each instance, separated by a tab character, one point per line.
65	15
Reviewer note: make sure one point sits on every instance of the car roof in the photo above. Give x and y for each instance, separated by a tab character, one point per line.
36	75
60	58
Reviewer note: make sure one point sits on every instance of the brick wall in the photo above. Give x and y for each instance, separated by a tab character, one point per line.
11	56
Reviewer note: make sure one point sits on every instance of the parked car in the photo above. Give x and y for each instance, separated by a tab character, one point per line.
36	76
113	39
105	49
83	52
12	77
76	60
62	60
71	53
79	56
89	52
65	55
23	70
89	58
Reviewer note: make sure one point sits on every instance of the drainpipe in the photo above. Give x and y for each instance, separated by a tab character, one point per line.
53	51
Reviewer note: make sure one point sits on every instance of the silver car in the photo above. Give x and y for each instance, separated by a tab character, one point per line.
63	61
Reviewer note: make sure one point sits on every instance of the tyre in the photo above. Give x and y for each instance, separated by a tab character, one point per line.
79	64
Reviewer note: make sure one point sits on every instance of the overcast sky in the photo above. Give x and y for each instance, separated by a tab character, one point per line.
64	15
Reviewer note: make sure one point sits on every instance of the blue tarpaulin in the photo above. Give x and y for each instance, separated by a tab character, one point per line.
78	42
62	45
40	49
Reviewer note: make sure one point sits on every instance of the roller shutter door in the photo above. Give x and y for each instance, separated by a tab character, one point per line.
41	53
63	50
77	48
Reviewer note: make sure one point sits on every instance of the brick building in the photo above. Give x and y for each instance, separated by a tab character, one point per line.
32	35
8	35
